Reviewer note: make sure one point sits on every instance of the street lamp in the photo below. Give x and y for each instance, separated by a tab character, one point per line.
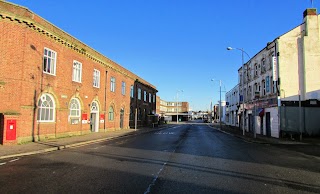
242	83
177	105
219	103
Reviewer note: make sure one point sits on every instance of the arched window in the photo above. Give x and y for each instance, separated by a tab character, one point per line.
111	114
46	109
94	107
74	108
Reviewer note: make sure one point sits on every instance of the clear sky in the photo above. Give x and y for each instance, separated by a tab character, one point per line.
176	44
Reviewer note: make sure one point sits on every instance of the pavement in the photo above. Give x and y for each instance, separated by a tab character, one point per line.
31	148
308	146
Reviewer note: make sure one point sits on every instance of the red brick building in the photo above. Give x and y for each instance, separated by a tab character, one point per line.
143	105
52	85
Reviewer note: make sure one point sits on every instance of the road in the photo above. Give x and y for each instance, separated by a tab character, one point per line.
186	158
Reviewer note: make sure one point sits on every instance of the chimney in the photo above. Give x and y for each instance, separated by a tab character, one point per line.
310	11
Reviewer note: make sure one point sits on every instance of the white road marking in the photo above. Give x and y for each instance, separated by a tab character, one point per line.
164	133
154	179
14	160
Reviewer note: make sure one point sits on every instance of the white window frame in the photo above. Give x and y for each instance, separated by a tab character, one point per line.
96	78
77	71
123	88
112	84
111	114
131	91
46	108
75	108
49	61
139	93
154	98
145	96
150	97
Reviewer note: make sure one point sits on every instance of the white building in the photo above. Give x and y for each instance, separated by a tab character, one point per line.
232	104
281	86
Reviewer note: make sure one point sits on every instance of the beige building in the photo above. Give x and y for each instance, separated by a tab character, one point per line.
171	110
281	88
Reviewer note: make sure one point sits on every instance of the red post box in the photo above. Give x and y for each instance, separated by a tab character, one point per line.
11	130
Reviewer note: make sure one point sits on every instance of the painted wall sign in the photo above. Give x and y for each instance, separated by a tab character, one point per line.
84	118
101	118
274	69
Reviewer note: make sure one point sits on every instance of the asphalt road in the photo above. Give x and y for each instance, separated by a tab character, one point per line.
188	158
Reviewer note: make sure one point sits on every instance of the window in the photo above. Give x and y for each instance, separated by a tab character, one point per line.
154	98
77	71
74	111
131	91
145	96
150	97
263	65
74	108
139	93
272	86
49	61
123	88
249	74
267	84
113	84
96	78
263	83
271	60
46	108
111	114
255	69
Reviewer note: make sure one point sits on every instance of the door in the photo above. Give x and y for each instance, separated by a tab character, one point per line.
1	128
93	123
250	122
268	124
94	117
121	118
261	125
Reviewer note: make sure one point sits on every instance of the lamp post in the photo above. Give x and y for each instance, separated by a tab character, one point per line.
177	105
242	83
219	102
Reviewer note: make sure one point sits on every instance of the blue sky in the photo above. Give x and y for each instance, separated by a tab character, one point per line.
176	44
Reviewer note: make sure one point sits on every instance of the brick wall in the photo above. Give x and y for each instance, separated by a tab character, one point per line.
22	81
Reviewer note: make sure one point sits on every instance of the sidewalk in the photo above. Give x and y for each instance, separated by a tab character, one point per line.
309	145
31	148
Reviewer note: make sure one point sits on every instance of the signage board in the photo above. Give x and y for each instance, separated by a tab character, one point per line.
274	69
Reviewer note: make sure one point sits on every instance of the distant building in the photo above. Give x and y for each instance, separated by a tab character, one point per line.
232	106
170	111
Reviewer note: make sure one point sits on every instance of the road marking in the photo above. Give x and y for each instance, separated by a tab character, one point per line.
2	163
154	179
14	160
164	133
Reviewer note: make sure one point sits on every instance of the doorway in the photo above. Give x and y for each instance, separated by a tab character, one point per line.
261	125
1	128
94	119
121	118
268	125
250	122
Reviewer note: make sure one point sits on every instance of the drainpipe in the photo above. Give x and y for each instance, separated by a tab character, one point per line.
105	101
